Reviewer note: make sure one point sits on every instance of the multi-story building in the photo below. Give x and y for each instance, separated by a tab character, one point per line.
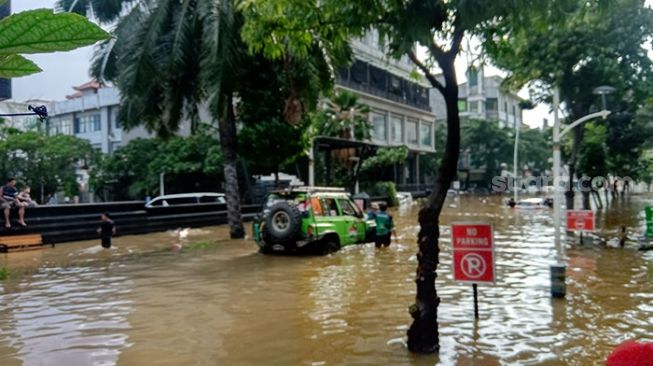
400	111
482	97
91	113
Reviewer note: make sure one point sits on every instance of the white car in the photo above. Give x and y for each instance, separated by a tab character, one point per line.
532	204
186	199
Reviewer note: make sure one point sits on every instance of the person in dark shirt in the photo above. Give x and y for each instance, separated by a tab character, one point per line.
384	227
9	200
106	230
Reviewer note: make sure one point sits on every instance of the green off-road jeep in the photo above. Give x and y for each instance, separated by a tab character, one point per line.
312	218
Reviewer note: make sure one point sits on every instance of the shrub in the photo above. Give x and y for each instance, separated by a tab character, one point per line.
386	189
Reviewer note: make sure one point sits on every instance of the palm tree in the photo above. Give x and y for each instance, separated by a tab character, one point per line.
170	56
167	57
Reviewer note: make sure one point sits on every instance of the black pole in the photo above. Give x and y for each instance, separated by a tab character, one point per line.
475	300
581	238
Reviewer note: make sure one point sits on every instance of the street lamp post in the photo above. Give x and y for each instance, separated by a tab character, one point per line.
558	269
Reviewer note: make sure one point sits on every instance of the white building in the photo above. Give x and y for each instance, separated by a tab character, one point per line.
400	111
482	97
91	113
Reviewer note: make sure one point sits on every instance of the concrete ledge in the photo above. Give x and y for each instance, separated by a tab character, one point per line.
66	223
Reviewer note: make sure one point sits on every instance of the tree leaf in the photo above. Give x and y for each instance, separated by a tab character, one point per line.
41	30
15	65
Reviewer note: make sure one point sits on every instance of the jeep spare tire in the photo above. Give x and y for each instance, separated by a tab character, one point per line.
283	221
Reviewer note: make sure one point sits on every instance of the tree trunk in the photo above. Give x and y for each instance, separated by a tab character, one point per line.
569	194
597	198
423	336
227	126
586	200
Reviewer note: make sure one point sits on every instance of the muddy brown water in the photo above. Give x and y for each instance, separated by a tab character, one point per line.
219	302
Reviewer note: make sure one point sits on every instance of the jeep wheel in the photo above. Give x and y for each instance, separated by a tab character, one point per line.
330	245
283	221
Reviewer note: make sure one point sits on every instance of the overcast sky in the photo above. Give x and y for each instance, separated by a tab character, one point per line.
63	70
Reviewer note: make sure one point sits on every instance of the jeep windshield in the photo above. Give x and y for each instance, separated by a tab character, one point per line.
298	199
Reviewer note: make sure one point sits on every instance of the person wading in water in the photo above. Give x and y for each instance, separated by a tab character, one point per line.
106	230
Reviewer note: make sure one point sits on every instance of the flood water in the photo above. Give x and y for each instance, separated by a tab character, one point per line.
219	302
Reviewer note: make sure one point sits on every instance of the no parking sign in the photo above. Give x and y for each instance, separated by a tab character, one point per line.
473	252
580	220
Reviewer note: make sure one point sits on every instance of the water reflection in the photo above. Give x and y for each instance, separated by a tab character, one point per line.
146	302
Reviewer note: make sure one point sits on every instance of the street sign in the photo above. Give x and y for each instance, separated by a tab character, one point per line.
473	252
580	220
649	221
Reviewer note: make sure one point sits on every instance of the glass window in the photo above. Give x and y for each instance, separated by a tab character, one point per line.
397	129
329	207
473	77
346	207
492	104
425	134
88	124
411	131
378	126
473	107
462	105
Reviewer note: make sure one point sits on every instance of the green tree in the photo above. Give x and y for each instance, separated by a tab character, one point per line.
535	148
125	173
46	163
488	146
579	47
267	141
344	117
593	158
41	31
132	171
438	26
169	57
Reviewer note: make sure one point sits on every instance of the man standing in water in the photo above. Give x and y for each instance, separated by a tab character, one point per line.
106	230
384	227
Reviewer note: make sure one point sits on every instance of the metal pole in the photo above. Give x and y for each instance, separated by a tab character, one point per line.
311	164
162	188
558	288
515	162
475	300
556	174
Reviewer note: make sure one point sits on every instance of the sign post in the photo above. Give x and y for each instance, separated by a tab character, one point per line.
648	211
473	255
581	221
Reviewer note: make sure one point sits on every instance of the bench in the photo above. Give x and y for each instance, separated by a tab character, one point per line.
17	243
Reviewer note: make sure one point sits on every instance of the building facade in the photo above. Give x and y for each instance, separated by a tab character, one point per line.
400	112
91	113
482	97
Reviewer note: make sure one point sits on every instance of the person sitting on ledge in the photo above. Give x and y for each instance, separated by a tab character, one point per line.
9	200
25	197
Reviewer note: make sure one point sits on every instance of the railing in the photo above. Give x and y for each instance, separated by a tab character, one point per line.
384	94
65	223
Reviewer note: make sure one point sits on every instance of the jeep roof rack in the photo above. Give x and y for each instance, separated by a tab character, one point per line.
310	189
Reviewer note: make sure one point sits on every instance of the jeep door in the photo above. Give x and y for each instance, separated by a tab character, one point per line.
354	226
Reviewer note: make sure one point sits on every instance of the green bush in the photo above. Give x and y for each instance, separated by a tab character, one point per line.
386	189
4	273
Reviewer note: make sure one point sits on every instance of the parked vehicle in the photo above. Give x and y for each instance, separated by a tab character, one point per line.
320	218
404	198
534	204
186	199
